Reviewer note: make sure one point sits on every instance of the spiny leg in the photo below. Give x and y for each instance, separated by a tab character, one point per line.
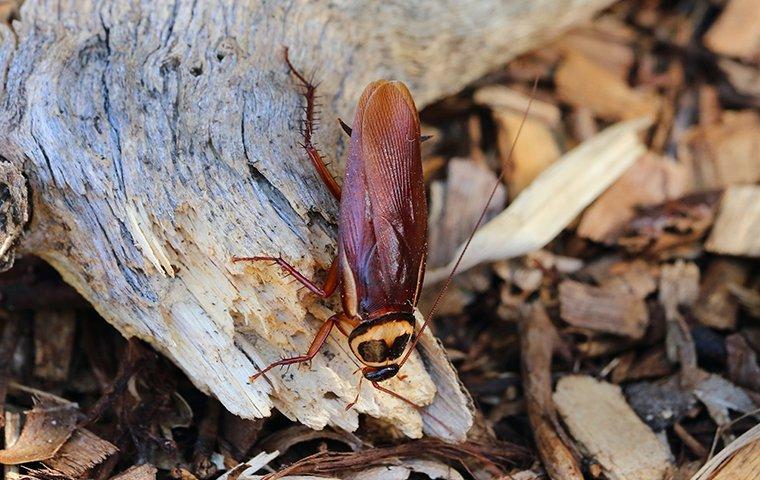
308	131
331	282
319	339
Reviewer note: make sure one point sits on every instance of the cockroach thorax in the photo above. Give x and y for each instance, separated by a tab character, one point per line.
384	341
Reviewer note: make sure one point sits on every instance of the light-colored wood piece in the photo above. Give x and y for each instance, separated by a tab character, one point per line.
499	97
737	227
161	139
535	151
609	431
743	465
554	198
736	33
723	154
713	466
582	83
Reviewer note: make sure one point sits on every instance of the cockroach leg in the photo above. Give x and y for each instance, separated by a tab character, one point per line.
308	131
358	391
319	339
331	282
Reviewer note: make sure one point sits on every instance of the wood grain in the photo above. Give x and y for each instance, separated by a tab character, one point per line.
161	138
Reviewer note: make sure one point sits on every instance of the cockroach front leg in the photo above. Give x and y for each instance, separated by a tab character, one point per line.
319	339
325	291
308	130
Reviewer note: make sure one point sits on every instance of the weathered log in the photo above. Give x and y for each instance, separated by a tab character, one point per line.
161	138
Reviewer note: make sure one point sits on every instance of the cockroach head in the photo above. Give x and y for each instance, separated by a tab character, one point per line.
381	343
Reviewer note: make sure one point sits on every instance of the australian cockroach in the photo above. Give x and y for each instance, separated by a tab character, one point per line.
382	232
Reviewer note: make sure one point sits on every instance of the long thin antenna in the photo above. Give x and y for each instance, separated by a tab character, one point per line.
475	229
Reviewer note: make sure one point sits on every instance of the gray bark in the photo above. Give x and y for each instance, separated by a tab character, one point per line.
161	138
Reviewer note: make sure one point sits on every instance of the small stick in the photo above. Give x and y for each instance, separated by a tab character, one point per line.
538	339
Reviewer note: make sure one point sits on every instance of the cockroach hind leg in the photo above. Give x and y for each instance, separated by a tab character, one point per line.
331	282
356	398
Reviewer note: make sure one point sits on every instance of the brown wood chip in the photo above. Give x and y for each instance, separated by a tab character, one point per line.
602	310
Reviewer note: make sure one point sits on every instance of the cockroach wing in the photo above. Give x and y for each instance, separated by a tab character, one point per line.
383	215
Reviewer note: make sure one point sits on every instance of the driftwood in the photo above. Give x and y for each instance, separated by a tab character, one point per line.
161	139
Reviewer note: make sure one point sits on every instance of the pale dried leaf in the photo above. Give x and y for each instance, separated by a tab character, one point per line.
46	428
554	199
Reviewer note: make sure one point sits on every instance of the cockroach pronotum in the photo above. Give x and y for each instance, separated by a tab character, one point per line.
382	232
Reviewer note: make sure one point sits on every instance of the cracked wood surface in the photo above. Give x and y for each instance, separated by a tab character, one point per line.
160	138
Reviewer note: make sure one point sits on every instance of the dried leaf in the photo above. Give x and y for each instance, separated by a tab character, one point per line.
47	427
554	199
651	180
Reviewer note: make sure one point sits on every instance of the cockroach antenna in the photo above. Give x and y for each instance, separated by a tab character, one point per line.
453	272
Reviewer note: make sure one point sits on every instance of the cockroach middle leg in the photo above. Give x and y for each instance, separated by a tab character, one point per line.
308	130
319	339
326	290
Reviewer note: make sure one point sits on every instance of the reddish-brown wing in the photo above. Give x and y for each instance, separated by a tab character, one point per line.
383	214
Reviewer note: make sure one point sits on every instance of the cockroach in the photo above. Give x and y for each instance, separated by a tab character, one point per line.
382	232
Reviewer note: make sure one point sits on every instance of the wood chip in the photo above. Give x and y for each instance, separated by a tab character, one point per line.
744	464
11	432
501	98
614	56
723	154
535	151
679	286
672	229
46	428
455	209
650	181
713	466
138	472
741	360
554	199
737	228
716	306
744	78
606	427
538	339
53	343
736	33
603	310
80	453
583	83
